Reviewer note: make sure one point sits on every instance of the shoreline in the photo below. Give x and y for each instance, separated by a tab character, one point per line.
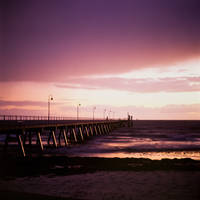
12	167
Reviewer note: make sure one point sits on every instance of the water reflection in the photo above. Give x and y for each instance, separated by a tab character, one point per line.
145	140
151	155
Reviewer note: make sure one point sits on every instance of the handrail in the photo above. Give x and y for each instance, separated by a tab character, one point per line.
41	118
27	117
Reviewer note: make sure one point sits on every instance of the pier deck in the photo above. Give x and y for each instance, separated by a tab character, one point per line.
55	133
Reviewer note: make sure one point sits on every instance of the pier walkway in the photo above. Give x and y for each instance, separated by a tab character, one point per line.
55	133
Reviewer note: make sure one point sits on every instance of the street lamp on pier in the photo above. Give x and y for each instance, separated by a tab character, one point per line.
50	98
109	114
104	114
78	110
94	108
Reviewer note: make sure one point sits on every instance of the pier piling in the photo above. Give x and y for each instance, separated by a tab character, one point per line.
66	132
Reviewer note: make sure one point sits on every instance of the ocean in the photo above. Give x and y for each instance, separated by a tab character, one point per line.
153	139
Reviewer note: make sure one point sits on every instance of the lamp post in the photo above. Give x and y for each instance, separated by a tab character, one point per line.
113	115
94	108
104	114
50	98
109	114
78	110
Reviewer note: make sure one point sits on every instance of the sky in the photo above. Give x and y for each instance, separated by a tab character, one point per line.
140	57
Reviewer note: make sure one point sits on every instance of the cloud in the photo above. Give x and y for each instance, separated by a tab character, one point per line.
180	84
169	112
76	86
22	103
181	109
22	111
75	38
19	104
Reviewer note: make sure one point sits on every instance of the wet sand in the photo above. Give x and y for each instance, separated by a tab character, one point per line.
59	177
112	185
8	194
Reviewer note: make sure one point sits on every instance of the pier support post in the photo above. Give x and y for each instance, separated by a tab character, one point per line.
86	130
59	137
20	142
107	129
52	134
62	133
80	131
54	139
74	133
99	129
65	137
91	131
102	129
95	129
106	126
40	140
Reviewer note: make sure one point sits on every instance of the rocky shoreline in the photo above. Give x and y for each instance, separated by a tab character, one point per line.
62	165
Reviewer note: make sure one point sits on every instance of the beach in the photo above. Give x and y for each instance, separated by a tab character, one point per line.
108	167
112	185
102	178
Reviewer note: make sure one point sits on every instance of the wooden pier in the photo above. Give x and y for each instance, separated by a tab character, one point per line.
58	133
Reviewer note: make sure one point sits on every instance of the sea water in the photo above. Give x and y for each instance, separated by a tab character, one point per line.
154	139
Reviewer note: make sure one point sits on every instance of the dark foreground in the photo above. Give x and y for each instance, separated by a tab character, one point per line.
60	177
55	174
28	196
63	166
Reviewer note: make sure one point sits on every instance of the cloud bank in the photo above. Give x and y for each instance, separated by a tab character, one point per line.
51	41
169	112
147	85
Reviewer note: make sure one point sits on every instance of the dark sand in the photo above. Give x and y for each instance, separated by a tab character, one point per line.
5	195
62	165
60	177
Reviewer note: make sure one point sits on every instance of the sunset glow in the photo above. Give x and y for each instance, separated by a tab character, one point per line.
141	57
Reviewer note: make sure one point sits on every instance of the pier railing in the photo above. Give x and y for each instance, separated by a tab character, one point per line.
41	118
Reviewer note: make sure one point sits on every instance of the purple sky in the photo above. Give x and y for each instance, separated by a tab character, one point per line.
141	56
51	40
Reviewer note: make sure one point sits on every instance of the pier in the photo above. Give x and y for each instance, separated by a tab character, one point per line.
30	131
